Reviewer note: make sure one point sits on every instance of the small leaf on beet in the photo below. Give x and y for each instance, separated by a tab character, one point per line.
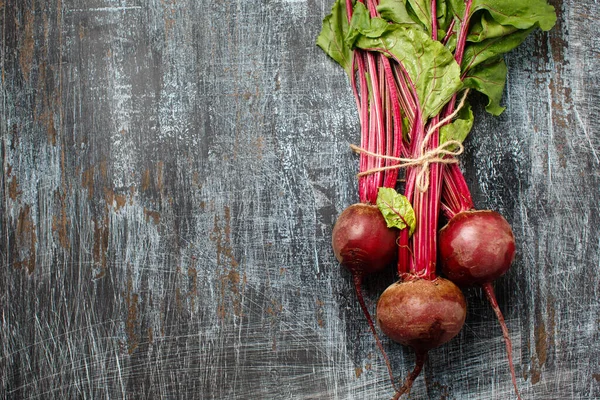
396	209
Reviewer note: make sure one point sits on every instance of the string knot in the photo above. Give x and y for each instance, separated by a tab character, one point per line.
439	155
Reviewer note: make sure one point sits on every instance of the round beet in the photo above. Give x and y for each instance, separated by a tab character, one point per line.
476	247
361	240
364	244
422	313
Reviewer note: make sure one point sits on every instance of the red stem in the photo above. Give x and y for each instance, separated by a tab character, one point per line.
460	49
361	91
434	25
406	253
449	33
491	296
428	246
464	31
456	193
364	122
372	6
425	204
379	126
396	118
407	97
373	117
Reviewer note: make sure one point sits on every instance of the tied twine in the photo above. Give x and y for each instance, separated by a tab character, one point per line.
424	161
437	155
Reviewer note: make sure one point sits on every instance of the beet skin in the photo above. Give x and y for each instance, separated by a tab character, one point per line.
361	240
421	313
476	247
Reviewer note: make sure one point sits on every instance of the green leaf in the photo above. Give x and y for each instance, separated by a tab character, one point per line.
444	18
457	8
395	11
396	209
488	28
459	128
332	38
430	66
522	14
491	49
363	24
489	79
416	14
422	10
498	26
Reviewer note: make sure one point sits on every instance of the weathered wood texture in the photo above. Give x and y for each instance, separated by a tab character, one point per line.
171	173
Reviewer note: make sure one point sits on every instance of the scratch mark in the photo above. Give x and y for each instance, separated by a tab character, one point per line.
120	374
586	133
105	9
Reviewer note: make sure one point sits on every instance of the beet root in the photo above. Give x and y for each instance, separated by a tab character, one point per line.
361	240
476	247
422	313
364	244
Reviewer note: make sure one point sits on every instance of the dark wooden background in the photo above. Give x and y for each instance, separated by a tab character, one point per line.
172	170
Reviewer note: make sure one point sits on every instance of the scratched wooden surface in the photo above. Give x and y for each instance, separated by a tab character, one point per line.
171	173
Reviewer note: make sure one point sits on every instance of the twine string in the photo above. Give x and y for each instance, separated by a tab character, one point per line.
444	121
437	155
451	148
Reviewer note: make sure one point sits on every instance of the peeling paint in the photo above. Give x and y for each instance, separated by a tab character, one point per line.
26	241
13	188
131	322
153	216
61	222
27	48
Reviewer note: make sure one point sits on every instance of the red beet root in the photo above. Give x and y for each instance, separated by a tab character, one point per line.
422	314
361	240
476	247
364	244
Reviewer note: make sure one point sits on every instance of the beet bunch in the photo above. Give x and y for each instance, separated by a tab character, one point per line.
412	65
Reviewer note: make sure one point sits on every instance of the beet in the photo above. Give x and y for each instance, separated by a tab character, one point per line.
476	247
361	240
421	313
364	244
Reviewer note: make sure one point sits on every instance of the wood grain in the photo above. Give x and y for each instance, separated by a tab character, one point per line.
171	173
